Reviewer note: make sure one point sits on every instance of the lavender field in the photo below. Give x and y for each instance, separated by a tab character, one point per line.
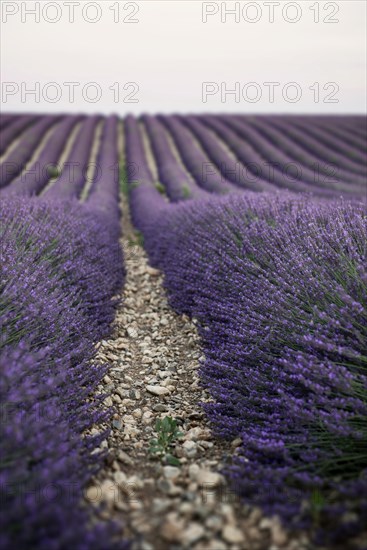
234	247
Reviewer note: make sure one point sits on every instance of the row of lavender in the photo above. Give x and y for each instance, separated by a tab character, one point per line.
62	266
197	155
278	283
196	158
232	154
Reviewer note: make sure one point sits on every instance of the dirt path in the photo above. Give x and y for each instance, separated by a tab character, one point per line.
154	356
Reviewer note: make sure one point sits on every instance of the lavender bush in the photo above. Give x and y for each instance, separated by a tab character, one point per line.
137	169
55	303
16	160
323	170
206	174
178	184
72	179
276	281
279	159
316	147
12	127
103	196
263	167
6	119
278	285
145	199
35	179
331	140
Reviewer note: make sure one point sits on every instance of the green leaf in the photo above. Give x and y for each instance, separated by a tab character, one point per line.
172	460
155	450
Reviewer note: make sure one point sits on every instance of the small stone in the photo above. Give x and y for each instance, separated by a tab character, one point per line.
228	512
93	494
159	407
147	417
135	505
278	534
193	533
254	533
121	392
130	432
349	517
163	374
113	356
157	390
134	394
121	345
189	448
119	477
186	509
171	472
117	424
205	444
189	496
202	511
179	451
152	271
135	482
193	434
124	458
161	505
232	535
108	491
236	442
149	482
208	478
193	487
121	505
166	486
172	529
129	419
215	523
193	471
132	332
265	523
215	544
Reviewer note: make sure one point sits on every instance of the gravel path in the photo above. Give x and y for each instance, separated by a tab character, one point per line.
154	355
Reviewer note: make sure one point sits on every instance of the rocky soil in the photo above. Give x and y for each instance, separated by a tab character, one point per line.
154	355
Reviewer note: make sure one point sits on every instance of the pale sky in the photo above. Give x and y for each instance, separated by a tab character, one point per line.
170	60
